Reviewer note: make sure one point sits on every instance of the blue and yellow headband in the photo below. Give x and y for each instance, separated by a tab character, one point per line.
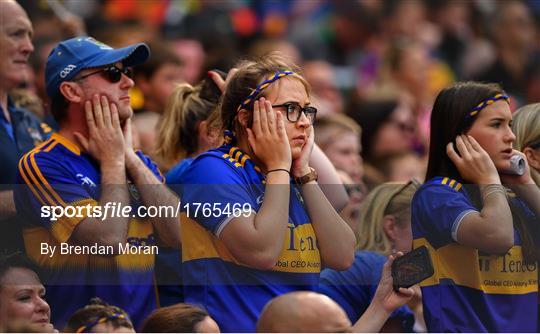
263	86
486	103
98	321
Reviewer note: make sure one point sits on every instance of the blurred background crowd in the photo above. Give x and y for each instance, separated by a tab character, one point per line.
380	62
374	66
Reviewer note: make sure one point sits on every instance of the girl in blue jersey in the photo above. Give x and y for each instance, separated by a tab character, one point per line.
189	129
268	228
481	236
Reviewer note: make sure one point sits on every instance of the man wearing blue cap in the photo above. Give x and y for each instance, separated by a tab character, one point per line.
86	190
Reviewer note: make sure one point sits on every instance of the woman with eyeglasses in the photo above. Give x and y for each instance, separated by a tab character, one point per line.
384	228
478	221
526	126
255	221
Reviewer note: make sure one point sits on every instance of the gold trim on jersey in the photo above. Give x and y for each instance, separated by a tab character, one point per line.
492	274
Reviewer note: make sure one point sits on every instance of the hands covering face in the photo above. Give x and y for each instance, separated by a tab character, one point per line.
108	140
268	137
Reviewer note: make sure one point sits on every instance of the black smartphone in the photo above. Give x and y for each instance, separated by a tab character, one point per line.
412	268
209	90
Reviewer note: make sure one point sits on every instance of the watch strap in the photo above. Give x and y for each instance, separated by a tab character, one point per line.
311	176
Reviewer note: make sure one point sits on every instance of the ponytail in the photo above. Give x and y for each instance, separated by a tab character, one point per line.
178	131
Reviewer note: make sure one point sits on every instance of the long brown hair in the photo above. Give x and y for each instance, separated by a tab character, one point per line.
448	120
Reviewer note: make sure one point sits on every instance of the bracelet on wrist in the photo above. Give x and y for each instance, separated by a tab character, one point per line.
494	191
490	187
278	170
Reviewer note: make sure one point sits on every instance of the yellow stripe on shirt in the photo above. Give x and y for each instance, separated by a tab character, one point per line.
489	273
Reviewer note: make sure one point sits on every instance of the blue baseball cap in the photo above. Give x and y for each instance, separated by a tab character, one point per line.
71	56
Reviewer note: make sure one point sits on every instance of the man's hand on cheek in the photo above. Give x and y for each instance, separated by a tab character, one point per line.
105	141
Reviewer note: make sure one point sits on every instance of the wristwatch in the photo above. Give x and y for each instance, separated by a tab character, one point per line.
311	176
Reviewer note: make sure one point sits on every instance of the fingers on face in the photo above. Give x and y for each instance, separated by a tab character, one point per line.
280	124
101	113
88	110
271	116
468	144
475	145
263	114
452	153
115	116
98	114
251	137
256	118
105	110
462	148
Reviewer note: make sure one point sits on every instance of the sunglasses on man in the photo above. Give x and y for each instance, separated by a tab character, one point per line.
111	73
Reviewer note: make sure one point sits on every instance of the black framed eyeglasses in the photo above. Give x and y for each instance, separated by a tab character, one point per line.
294	111
112	73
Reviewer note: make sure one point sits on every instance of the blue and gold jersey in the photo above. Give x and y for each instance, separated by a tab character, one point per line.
234	294
470	291
57	173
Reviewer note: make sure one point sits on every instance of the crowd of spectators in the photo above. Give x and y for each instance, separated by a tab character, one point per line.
371	71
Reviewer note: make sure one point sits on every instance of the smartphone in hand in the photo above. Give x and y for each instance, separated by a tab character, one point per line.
412	268
517	166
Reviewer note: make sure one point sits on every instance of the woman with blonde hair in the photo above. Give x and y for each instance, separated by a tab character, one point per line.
339	137
384	228
257	223
184	133
385	219
526	127
185	130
